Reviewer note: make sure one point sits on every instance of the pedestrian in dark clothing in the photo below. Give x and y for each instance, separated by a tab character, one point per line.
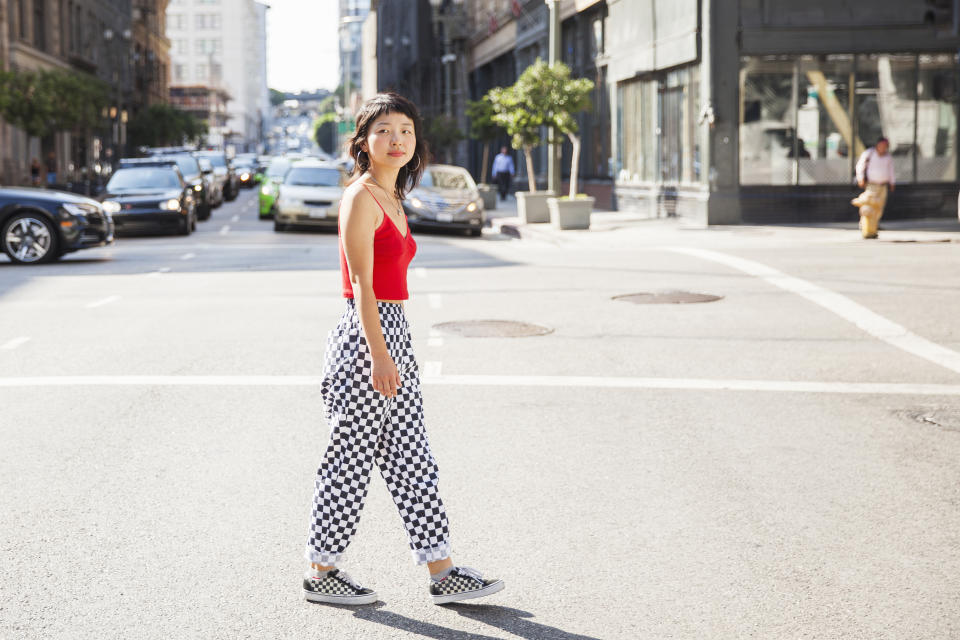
503	172
35	172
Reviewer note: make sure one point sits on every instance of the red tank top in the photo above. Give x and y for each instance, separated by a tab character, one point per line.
392	254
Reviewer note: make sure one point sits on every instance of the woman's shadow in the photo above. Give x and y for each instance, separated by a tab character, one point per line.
514	621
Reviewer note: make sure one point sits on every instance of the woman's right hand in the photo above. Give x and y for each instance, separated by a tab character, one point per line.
386	378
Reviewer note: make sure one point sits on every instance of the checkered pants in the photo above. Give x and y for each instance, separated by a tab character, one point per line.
367	427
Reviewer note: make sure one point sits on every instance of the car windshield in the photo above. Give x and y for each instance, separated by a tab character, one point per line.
277	168
443	179
312	177
145	178
188	166
217	161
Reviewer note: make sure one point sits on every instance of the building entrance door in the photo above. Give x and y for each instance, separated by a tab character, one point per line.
671	105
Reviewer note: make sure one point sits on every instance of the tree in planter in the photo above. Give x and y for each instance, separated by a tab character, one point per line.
568	97
521	117
483	129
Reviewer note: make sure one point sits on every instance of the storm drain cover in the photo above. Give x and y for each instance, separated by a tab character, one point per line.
946	419
492	328
667	297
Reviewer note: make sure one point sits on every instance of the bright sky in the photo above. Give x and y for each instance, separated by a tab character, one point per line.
302	51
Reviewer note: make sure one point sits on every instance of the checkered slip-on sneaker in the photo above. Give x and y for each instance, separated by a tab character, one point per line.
463	583
336	587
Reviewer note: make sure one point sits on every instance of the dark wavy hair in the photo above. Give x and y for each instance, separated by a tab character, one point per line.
378	105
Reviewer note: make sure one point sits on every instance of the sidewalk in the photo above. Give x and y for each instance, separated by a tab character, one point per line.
504	219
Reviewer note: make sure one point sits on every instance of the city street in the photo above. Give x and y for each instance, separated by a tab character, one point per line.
779	463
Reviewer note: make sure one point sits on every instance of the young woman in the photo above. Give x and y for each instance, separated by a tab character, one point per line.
371	385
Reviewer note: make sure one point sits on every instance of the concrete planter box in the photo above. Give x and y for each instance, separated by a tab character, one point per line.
489	194
570	214
532	206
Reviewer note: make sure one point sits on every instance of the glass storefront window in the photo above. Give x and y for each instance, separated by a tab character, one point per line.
767	120
824	126
636	122
886	94
936	146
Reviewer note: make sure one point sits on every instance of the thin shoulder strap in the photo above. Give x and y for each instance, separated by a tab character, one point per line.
364	185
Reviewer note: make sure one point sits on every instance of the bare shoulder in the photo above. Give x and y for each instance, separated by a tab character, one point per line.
358	205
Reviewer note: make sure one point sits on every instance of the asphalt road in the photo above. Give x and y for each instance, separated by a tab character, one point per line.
776	464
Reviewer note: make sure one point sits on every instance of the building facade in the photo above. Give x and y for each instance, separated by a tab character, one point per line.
758	114
218	47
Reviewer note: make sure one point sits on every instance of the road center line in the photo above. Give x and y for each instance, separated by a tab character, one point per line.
158	272
15	342
188	256
234	218
225	229
434	300
853	312
100	303
431	376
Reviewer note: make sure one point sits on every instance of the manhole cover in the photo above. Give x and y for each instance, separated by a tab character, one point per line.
667	297
947	419
492	328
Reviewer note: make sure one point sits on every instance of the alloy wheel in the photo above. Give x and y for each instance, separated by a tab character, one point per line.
28	239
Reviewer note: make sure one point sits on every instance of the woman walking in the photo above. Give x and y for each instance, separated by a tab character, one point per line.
371	385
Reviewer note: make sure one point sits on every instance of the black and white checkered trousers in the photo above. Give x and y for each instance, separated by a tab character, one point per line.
367	427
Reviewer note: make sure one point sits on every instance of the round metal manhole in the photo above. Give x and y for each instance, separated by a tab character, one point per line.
667	297
946	419
492	329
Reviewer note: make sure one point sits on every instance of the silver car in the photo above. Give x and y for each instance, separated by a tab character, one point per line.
446	198
309	195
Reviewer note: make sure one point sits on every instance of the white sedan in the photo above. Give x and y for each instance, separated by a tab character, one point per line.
309	195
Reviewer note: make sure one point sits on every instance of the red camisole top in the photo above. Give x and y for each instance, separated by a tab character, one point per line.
392	254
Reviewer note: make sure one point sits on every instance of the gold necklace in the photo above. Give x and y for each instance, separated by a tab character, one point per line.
389	195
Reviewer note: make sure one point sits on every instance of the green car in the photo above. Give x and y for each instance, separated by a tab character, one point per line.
270	185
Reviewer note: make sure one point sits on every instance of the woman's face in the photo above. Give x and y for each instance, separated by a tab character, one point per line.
391	140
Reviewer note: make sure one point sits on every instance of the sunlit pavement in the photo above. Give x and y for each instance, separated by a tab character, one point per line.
779	463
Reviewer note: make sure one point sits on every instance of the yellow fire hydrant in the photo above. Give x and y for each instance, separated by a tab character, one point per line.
871	203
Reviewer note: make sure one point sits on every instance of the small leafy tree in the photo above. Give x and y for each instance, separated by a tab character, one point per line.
568	97
521	118
442	134
483	128
162	125
325	131
43	102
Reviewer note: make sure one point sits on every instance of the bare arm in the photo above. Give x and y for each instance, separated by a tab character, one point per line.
358	223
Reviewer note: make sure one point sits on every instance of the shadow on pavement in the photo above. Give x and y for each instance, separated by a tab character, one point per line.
376	613
514	621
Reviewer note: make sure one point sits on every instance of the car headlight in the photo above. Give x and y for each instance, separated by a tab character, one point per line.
416	203
74	210
472	207
111	206
290	203
198	187
170	205
267	189
244	176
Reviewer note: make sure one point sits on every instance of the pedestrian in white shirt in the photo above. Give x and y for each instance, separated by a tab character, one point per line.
876	177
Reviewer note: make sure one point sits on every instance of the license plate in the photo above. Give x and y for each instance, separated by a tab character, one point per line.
444	217
317	212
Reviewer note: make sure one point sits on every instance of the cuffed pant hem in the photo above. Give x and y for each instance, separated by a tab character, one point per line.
326	558
423	556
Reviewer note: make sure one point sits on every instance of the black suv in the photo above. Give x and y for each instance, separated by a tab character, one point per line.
223	169
40	225
190	170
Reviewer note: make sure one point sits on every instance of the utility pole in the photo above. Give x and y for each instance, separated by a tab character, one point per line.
553	149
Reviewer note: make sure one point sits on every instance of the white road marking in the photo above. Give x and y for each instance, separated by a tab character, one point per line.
420	272
100	303
867	320
225	229
188	256
158	272
13	343
435	300
432	375
435	339
234	218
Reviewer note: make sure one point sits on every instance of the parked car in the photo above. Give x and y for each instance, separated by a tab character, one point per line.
270	184
41	225
223	169
446	198
191	172
246	169
150	199
309	195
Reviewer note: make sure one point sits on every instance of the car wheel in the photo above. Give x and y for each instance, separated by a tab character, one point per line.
278	227
29	239
205	211
193	226
474	233
231	195
185	226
